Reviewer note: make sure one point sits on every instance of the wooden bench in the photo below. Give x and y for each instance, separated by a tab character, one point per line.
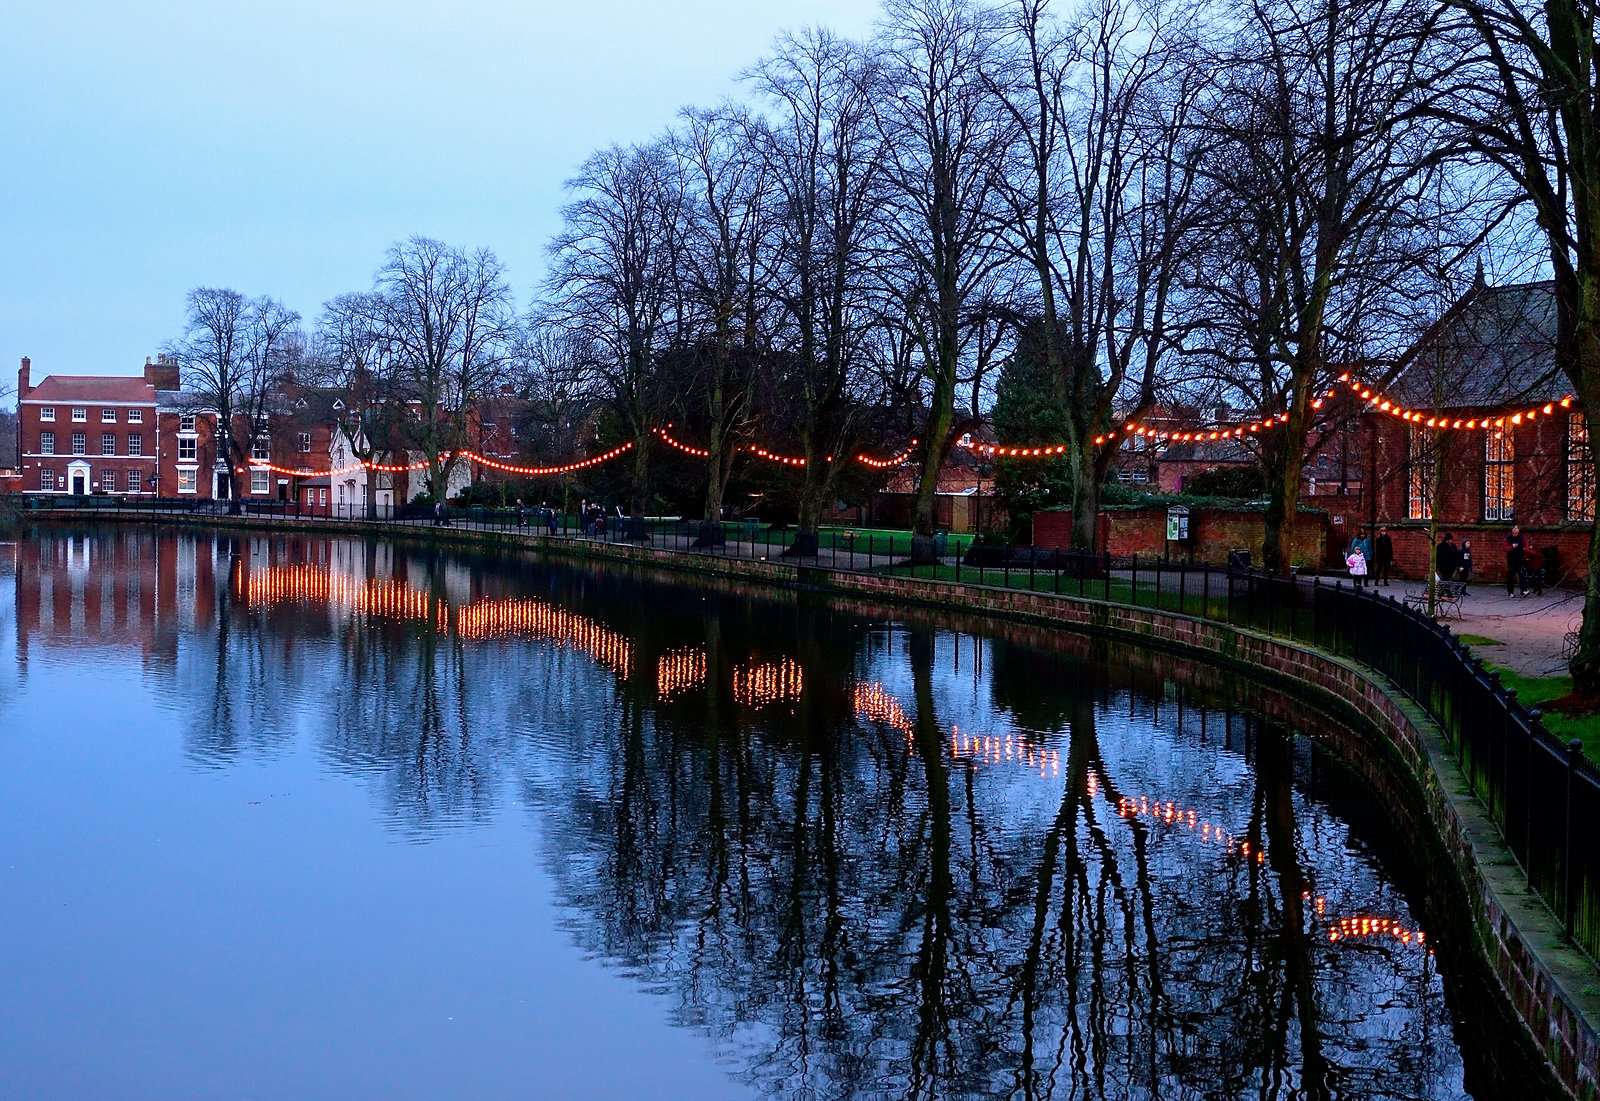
1446	599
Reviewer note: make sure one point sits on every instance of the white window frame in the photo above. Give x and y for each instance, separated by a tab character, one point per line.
47	480
136	416
188	480
192	446
260	482
1500	475
80	416
1419	475
136	445
80	443
186	422
1580	468
47	413
108	416
261	449
108	443
305	443
47	443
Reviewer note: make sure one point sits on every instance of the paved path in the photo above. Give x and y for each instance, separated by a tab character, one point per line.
1532	628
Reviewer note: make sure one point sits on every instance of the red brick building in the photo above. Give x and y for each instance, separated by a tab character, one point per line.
85	434
1490	357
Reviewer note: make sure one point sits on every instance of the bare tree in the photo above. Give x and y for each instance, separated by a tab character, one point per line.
724	215
446	320
1531	100
613	282
942	134
818	147
233	354
1098	200
1316	168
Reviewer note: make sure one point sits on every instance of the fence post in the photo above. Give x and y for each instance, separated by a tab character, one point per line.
1574	749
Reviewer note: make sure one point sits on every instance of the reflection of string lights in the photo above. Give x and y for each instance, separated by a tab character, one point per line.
679	671
1171	814
1355	928
476	622
875	704
372	597
991	749
768	683
486	619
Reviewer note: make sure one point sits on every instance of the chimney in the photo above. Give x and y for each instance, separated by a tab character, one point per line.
162	374
23	379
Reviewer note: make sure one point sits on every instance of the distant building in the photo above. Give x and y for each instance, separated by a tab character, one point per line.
112	434
1491	353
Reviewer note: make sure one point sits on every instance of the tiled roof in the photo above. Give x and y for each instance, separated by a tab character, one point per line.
1495	345
89	389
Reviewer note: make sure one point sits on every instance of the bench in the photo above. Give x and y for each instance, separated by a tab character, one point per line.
1446	599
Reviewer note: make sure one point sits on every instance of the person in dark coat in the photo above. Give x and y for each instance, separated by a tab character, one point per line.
522	514
1447	559
1466	560
1516	548
1382	558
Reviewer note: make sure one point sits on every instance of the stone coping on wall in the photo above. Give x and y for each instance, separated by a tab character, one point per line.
1553	987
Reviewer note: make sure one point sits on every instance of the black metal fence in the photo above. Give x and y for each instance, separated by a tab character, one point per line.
1543	793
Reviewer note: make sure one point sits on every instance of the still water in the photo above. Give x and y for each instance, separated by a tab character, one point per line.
296	818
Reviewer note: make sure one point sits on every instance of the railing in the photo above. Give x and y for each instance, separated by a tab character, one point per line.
1545	795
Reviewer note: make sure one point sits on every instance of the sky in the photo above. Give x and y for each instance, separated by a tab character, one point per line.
278	148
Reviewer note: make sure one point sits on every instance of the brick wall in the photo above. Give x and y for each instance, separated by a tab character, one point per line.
1213	533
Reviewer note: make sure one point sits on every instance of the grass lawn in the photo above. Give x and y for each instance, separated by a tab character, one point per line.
1538	691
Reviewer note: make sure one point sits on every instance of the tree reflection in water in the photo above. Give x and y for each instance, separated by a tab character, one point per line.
865	859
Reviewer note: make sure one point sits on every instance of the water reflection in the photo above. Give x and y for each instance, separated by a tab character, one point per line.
858	858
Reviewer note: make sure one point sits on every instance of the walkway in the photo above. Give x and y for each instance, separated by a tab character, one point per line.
1531	628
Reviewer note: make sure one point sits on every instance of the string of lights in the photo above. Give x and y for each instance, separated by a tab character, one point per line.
546	471
775	457
1499	418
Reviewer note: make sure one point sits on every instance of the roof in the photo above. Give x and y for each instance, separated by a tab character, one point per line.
1495	345
89	389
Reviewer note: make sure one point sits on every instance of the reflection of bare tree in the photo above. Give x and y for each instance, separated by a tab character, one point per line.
879	919
847	905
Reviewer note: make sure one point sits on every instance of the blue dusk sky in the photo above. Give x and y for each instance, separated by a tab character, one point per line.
279	148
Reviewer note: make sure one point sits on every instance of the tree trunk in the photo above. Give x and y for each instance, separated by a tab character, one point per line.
1086	498
641	476
1283	505
924	515
813	492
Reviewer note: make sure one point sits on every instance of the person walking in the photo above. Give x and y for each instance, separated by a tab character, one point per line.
1358	564
1516	548
438	513
522	514
1466	561
1383	558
